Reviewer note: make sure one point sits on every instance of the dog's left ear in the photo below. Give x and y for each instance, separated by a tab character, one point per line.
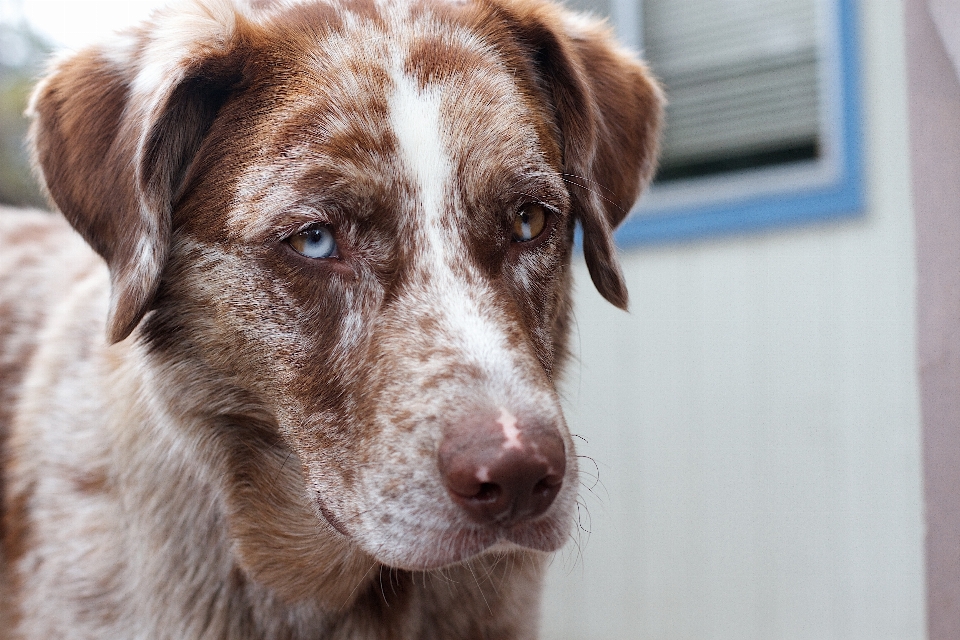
115	129
609	110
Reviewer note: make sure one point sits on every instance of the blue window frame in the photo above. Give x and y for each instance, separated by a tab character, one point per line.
827	187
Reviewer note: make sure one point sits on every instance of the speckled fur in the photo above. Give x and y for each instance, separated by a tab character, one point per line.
208	435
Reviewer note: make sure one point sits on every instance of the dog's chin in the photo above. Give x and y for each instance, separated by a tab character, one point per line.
437	550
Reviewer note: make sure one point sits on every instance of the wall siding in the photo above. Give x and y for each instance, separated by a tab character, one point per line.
755	423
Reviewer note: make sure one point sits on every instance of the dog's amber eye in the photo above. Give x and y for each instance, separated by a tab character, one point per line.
316	241
529	222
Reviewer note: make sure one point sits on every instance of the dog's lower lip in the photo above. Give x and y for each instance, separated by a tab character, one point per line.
465	544
331	519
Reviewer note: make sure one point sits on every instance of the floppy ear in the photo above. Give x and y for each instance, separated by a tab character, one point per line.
609	111
114	131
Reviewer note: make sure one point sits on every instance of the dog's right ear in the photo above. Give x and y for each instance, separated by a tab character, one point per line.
114	132
608	109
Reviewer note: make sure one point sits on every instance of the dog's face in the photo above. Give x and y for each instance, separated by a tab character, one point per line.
359	218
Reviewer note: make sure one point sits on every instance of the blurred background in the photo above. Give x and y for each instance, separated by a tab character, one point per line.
22	52
768	435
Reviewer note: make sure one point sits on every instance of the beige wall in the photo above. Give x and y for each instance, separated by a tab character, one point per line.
756	423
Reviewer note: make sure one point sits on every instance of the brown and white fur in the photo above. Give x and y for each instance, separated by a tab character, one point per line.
208	434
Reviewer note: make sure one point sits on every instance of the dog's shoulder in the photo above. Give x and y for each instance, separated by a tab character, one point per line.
41	260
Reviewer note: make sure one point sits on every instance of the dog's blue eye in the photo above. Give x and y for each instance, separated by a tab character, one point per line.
316	241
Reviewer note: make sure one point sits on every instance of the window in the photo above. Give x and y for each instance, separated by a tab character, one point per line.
763	121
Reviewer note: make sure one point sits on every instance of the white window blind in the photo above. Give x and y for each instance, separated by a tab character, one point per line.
763	121
742	80
742	77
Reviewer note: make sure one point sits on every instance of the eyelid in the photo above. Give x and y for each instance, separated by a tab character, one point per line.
546	205
299	221
532	221
301	240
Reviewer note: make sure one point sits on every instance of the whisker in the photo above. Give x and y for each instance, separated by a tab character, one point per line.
588	474
488	575
450	581
393	587
362	580
383	593
581	505
479	588
586	179
280	470
578	557
594	493
599	195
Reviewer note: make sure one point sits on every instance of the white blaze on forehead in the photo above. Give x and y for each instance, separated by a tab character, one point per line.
416	118
511	433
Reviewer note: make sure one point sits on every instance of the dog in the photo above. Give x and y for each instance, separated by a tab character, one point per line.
285	366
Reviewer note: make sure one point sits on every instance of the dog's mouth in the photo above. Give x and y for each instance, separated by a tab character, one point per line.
497	476
331	518
418	547
462	545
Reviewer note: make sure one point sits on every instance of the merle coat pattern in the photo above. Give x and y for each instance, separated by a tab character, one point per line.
286	365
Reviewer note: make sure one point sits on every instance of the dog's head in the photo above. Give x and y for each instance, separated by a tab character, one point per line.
358	217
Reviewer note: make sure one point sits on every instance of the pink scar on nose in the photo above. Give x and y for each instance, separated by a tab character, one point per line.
510	431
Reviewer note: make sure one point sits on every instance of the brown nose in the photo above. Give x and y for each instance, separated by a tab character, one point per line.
502	471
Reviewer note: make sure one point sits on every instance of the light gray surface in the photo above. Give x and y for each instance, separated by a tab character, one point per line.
596	7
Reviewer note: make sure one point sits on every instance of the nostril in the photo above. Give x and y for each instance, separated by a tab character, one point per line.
488	492
502	479
547	485
481	493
